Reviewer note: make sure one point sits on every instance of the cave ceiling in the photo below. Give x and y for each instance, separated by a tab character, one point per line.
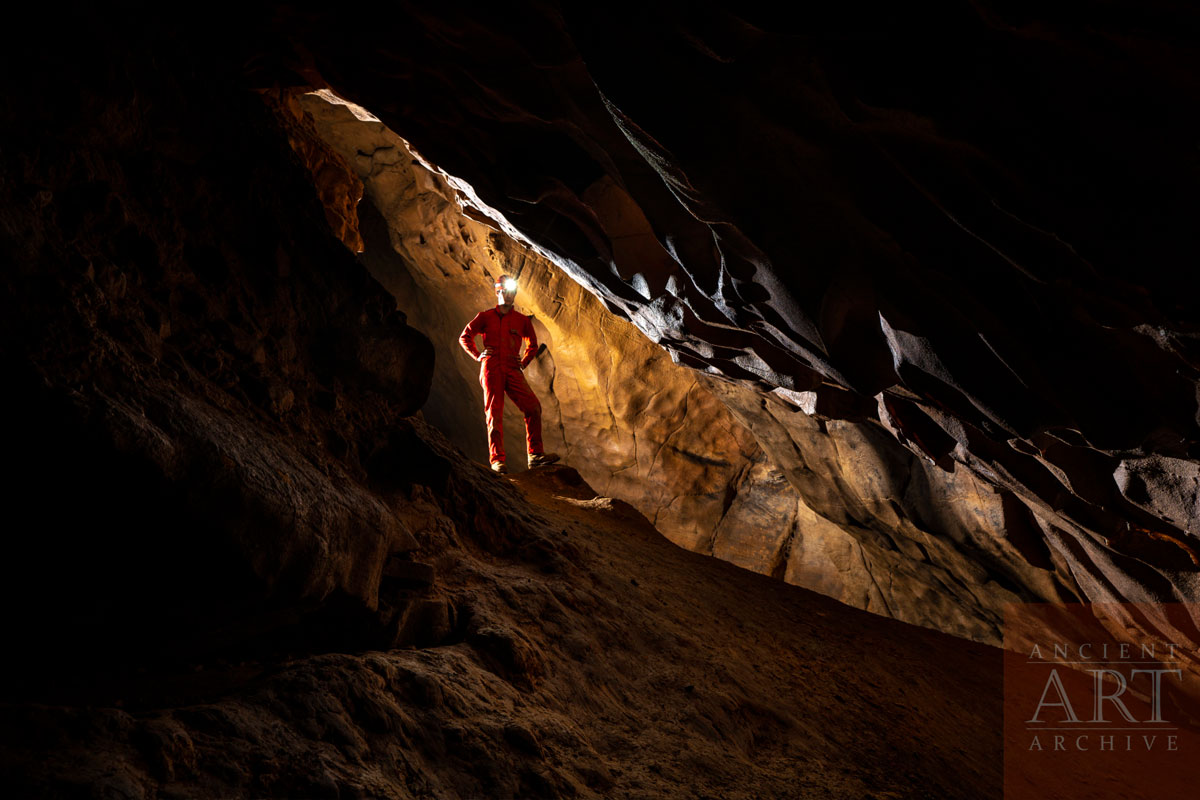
971	223
927	275
967	228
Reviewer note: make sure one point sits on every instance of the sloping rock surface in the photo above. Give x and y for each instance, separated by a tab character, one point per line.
236	566
589	658
203	390
225	529
851	513
968	224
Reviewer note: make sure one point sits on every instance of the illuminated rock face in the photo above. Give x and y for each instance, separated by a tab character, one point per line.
336	184
927	260
841	508
884	529
940	227
635	425
208	397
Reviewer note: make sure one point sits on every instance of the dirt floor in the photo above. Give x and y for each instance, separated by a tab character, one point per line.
593	659
729	684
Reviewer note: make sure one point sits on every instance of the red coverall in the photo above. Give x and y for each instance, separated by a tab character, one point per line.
501	372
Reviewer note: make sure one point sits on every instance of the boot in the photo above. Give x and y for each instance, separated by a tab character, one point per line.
498	466
542	459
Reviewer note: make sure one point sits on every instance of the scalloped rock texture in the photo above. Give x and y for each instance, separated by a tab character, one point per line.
210	584
338	187
635	425
968	227
938	265
931	550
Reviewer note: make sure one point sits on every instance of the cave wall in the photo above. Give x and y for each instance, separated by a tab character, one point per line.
851	513
635	425
187	373
219	469
969	223
205	390
924	223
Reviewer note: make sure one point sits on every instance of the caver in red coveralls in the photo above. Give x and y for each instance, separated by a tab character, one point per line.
505	330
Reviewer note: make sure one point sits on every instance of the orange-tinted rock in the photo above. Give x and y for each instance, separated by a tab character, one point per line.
975	221
637	426
825	506
338	187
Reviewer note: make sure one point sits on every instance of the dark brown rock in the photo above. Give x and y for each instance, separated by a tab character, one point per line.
164	346
977	219
985	241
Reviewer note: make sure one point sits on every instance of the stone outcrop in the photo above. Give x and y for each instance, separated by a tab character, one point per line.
885	529
204	390
238	565
637	426
936	224
338	187
827	507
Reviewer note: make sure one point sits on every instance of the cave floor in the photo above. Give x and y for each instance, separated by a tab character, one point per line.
609	663
732	684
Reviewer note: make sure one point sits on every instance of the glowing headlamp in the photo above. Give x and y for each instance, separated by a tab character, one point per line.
508	285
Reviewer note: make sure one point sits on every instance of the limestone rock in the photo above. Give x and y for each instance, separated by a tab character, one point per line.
817	497
636	426
338	187
1167	487
989	256
203	385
